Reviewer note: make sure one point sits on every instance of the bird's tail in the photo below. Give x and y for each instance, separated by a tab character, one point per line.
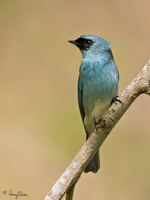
94	164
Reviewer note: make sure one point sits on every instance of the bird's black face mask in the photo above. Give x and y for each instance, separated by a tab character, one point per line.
82	43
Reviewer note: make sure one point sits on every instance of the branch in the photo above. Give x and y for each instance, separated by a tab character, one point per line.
66	183
69	194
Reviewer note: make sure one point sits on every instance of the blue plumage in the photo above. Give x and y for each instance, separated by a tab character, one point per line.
97	84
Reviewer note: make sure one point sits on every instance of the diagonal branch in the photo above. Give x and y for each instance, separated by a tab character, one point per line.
66	183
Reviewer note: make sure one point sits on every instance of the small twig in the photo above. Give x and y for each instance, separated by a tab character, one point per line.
69	194
141	84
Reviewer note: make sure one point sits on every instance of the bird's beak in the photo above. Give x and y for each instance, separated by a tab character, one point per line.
76	42
72	41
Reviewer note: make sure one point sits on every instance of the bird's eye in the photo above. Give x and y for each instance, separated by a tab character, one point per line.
89	42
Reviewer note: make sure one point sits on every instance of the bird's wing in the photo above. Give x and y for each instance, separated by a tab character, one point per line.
80	99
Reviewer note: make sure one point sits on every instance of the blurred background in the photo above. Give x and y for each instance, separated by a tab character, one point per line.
40	126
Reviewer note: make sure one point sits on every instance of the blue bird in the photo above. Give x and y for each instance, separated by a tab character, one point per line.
97	84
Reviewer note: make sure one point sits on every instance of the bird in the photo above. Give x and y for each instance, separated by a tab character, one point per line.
97	85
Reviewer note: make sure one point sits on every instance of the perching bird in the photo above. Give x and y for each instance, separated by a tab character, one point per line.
97	84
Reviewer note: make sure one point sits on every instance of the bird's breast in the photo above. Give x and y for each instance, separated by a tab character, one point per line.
100	85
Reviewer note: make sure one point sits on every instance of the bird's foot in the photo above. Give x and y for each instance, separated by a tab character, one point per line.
115	99
99	124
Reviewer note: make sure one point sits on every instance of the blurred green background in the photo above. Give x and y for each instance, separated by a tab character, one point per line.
40	125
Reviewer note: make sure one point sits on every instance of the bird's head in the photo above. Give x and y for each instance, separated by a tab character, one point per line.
91	45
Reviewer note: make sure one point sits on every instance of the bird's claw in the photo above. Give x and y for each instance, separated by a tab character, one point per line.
99	124
116	99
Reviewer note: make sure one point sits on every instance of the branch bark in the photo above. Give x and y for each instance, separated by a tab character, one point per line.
66	183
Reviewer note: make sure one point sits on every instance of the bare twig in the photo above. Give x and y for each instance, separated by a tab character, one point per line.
69	194
141	84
